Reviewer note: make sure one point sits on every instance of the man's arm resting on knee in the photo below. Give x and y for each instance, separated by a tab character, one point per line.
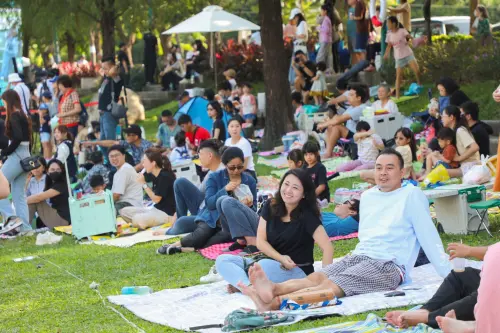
339	119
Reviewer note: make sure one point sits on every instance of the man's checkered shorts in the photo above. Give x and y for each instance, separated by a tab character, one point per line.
361	275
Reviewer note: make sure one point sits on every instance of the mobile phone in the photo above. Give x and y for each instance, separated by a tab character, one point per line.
395	293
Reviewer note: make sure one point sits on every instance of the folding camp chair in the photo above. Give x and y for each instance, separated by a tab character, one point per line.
484	206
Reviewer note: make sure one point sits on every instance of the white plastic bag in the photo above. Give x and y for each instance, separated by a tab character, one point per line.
478	174
47	238
243	193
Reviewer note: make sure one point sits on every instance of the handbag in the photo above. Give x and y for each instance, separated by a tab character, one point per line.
30	163
118	110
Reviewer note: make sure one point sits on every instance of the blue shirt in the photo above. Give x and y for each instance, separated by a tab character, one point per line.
215	188
165	133
137	152
98	169
336	226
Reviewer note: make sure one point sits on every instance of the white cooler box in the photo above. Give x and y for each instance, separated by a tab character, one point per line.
385	125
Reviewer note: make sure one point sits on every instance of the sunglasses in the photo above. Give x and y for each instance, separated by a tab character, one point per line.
234	167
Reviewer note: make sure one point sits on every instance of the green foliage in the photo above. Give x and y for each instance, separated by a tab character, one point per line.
137	78
451	38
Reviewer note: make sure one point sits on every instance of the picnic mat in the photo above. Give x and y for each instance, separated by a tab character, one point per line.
267	183
140	237
211	303
372	324
282	163
212	252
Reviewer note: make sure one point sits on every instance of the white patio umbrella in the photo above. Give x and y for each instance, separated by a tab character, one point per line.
212	19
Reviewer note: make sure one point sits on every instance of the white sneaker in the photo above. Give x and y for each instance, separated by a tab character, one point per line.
184	81
211	277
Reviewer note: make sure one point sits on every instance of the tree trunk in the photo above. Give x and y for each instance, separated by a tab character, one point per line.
427	17
108	19
26	45
275	70
71	44
472	7
93	46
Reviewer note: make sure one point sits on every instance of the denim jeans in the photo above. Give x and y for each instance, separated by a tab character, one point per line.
187	197
17	180
108	125
232	269
183	225
236	218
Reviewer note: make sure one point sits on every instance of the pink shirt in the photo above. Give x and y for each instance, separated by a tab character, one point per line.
399	43
325	30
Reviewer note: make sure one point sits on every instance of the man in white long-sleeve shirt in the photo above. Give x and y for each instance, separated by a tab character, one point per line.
394	223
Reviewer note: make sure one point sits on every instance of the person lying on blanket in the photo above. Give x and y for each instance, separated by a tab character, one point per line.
395	222
220	183
344	219
287	229
458	292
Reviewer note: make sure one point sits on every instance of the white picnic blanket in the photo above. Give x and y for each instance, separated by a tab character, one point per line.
128	241
211	303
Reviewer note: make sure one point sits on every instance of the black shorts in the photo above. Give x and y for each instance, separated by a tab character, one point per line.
350	135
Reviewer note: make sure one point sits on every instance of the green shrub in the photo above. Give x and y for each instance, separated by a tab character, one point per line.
137	78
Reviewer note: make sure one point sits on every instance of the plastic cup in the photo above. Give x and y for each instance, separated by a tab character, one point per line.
458	265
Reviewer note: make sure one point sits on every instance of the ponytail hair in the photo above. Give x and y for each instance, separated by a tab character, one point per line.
159	156
394	20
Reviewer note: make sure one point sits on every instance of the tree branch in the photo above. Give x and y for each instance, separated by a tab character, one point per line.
89	14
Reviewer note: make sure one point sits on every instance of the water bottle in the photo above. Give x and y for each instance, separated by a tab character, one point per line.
136	290
118	132
322	146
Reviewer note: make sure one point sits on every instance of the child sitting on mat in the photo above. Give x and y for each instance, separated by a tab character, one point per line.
447	141
295	159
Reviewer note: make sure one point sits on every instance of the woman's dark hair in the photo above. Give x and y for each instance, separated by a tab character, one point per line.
199	46
362	126
471	108
312	147
354	205
216	106
407	133
329	11
48	181
230	153
213	145
174	57
449	85
484	12
301	18
307	203
180	139
394	20
14	105
64	130
96	180
297	97
234	119
452	110
210	94
321	66
159	156
446	133
296	156
43	163
65	81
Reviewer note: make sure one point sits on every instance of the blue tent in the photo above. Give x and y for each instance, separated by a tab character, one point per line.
196	108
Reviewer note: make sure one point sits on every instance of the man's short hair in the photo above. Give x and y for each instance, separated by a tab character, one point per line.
212	144
184	119
96	157
394	152
472	109
360	91
119	148
166	113
96	180
362	126
299	52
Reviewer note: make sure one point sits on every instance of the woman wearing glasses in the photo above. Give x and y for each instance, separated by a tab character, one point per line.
220	184
236	140
288	227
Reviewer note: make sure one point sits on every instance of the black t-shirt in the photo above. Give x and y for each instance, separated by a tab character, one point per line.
122	56
294	238
163	186
60	202
218	123
481	133
45	128
318	175
150	43
312	67
458	98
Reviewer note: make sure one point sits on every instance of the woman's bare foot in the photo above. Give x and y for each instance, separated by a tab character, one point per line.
449	324
392	317
232	289
252	293
263	286
160	232
413	318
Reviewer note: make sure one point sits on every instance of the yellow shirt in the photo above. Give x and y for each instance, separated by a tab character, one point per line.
405	151
464	140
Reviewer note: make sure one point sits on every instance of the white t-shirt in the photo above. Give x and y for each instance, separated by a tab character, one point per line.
248	104
245	146
233	84
302	30
177	152
125	183
24	93
367	151
355	112
390	106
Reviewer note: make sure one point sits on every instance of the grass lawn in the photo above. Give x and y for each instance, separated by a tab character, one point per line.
39	297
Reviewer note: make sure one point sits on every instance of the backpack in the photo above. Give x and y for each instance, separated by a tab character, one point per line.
84	116
244	318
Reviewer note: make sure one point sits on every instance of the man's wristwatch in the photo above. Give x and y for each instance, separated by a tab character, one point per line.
145	186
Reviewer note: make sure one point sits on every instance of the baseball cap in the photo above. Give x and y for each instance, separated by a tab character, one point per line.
47	94
294	13
133	129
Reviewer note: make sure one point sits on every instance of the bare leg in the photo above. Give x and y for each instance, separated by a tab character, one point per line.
298	84
316	100
187	249
455	173
414	67
329	147
335	133
449	324
251	292
399	74
429	162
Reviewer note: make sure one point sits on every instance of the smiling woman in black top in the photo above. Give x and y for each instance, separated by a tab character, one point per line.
56	190
159	172
18	130
288	227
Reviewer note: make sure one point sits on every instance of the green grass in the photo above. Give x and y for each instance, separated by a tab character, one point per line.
38	297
